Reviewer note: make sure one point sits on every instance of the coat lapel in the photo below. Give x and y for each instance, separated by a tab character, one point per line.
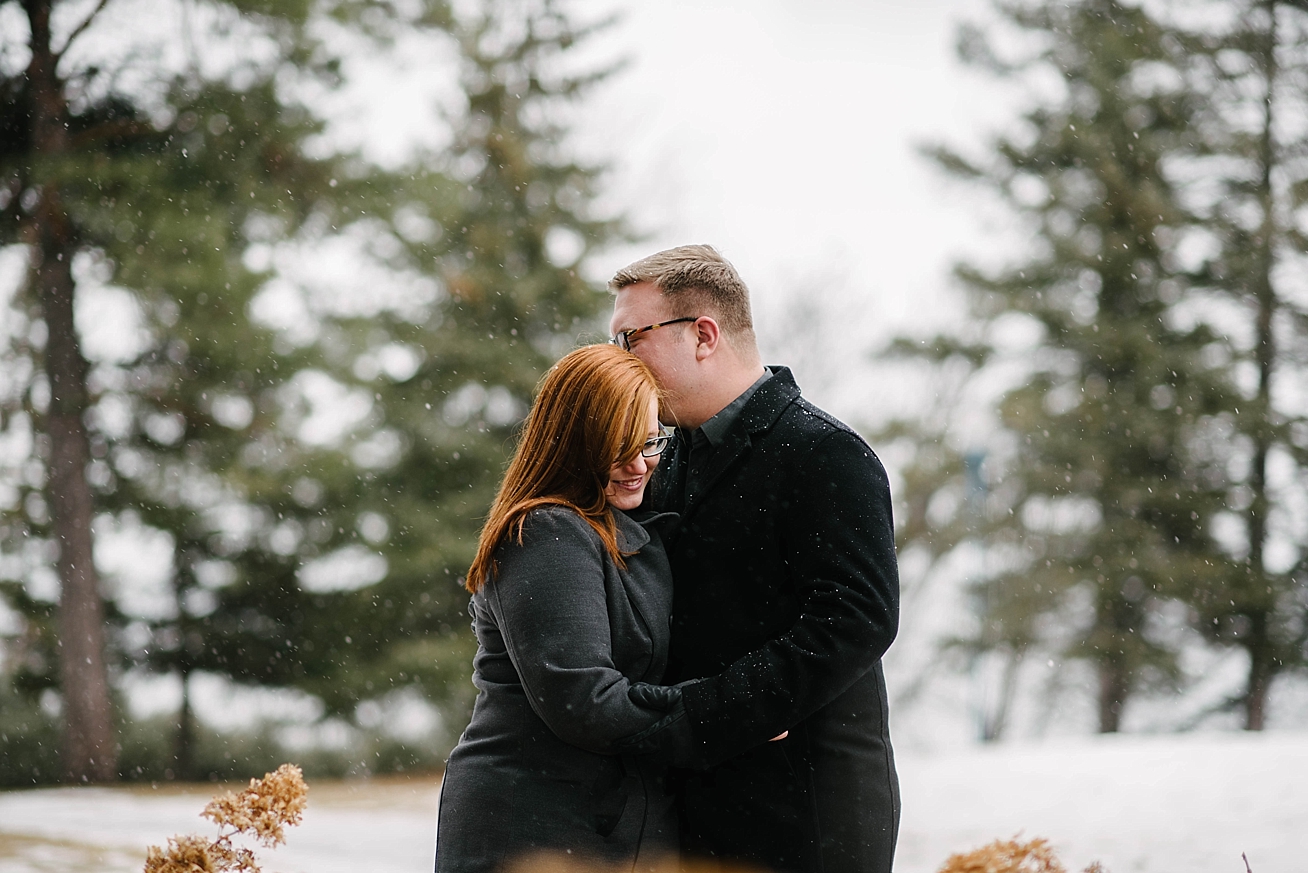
759	414
662	493
632	536
648	597
723	456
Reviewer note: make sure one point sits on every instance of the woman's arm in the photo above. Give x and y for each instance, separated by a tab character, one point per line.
548	598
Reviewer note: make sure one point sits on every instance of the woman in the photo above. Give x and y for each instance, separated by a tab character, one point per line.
571	600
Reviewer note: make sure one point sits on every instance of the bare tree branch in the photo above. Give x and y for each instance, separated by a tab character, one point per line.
77	31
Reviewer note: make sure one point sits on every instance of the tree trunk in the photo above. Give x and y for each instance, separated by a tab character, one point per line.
992	729
90	748
1262	670
1260	603
184	743
1114	685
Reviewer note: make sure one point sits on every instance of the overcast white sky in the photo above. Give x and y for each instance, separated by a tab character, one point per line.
786	134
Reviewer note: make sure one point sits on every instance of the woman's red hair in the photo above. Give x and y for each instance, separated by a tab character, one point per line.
589	414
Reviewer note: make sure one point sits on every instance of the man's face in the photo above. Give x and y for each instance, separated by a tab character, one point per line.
668	351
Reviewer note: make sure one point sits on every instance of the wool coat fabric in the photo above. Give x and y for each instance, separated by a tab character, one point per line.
786	595
562	631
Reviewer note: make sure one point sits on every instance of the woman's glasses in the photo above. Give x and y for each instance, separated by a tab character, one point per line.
655	446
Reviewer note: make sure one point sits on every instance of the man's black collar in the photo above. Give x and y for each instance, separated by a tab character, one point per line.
770	400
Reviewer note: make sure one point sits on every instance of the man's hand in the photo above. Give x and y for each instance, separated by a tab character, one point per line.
660	697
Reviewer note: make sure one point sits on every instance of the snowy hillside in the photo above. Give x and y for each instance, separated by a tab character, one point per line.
1138	804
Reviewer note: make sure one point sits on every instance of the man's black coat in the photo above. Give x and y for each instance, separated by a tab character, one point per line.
786	595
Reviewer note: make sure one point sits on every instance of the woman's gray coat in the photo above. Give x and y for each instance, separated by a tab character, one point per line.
562	633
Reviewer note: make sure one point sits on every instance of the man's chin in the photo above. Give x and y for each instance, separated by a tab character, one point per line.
668	415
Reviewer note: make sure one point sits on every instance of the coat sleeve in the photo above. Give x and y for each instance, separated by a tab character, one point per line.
839	551
548	599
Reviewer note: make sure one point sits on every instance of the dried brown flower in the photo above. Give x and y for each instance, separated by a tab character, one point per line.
265	808
1010	856
261	811
189	854
231	859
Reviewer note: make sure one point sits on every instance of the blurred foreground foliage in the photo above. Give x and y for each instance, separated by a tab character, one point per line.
314	364
1141	494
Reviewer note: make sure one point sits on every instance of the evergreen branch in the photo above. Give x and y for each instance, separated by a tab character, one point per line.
951	161
936	349
973	48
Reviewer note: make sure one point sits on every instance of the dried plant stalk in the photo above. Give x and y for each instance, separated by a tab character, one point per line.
1007	856
265	808
262	811
189	854
1011	856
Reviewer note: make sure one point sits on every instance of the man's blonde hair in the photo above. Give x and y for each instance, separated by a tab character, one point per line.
696	280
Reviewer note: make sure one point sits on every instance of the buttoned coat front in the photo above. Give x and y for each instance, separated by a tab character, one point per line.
562	632
786	597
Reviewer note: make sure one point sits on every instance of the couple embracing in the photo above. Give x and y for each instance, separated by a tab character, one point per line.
684	662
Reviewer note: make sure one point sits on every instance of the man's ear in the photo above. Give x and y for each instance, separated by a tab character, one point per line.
707	337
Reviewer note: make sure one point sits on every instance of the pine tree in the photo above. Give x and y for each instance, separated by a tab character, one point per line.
503	224
1250	145
345	583
157	188
1101	493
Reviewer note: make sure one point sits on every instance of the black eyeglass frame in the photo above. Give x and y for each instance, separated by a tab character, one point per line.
622	339
659	444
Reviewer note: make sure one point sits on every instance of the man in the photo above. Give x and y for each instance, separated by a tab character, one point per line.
786	592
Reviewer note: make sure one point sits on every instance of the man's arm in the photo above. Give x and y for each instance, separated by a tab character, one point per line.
840	554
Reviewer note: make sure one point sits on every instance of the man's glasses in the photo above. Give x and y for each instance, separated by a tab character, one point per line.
623	337
657	445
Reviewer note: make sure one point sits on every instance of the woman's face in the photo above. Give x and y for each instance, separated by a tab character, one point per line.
627	481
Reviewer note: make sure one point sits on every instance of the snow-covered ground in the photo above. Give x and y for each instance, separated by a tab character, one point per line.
1138	804
379	826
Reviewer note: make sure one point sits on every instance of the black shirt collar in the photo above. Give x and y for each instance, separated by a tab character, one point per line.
719	425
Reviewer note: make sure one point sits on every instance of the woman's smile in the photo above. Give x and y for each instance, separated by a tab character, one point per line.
627	481
626	486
